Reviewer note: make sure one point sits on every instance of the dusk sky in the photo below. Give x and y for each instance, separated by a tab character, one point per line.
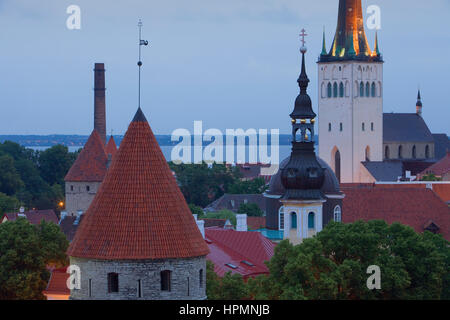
232	64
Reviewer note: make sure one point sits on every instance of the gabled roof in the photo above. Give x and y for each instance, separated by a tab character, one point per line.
34	216
409	206
57	284
138	212
111	147
405	127
384	170
440	168
233	247
441	145
90	165
233	202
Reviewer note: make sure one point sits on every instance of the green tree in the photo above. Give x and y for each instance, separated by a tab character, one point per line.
223	214
54	163
25	251
430	177
254	186
8	204
230	287
10	181
196	210
333	264
251	209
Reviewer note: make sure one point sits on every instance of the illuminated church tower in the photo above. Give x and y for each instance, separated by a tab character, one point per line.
350	97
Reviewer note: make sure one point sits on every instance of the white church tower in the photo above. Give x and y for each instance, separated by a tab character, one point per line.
350	97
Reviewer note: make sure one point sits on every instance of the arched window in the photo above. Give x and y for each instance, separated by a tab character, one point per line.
400	152
337	214
293	220
281	218
387	154
367	89
414	152
367	153
311	222
374	90
113	282
165	280
341	90
427	152
361	89
329	90
335	90
337	165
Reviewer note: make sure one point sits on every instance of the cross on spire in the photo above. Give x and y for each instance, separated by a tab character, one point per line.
303	35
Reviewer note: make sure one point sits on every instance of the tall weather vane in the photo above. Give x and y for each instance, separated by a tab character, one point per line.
141	43
302	36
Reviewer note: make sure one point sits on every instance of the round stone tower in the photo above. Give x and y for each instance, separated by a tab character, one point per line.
138	239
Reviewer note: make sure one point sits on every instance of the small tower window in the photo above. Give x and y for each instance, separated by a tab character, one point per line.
200	278
427	152
329	127
374	90
293	220
90	288
372	128
387	152
341	90
113	282
311	222
361	89
414	152
363	127
337	214
400	152
335	90
341	126
71	188
88	188
329	90
367	90
165	280
139	288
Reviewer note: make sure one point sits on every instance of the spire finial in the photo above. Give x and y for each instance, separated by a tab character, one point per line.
303	48
324	45
141	43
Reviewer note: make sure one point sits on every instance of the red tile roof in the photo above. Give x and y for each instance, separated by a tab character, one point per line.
90	165
139	212
111	147
440	168
233	247
409	206
57	285
34	216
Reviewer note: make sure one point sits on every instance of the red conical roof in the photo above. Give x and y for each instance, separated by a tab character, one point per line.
111	147
139	212
90	165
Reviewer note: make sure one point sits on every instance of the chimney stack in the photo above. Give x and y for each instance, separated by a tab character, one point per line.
99	101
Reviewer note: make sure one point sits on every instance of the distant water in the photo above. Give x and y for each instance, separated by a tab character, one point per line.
284	151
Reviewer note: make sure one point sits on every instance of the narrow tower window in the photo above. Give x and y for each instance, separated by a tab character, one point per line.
200	278
400	152
363	127
293	220
361	89
335	90
165	280
387	153
374	90
414	152
281	218
367	90
341	126
372	128
329	126
427	152
311	220
341	90
329	90
139	288
113	282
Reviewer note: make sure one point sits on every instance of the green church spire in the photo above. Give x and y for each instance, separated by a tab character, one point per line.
324	45
377	50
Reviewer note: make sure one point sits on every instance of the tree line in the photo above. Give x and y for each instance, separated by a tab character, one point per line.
33	179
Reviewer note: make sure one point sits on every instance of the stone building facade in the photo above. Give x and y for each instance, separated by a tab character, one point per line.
141	279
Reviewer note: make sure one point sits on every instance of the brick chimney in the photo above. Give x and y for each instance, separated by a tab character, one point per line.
99	101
